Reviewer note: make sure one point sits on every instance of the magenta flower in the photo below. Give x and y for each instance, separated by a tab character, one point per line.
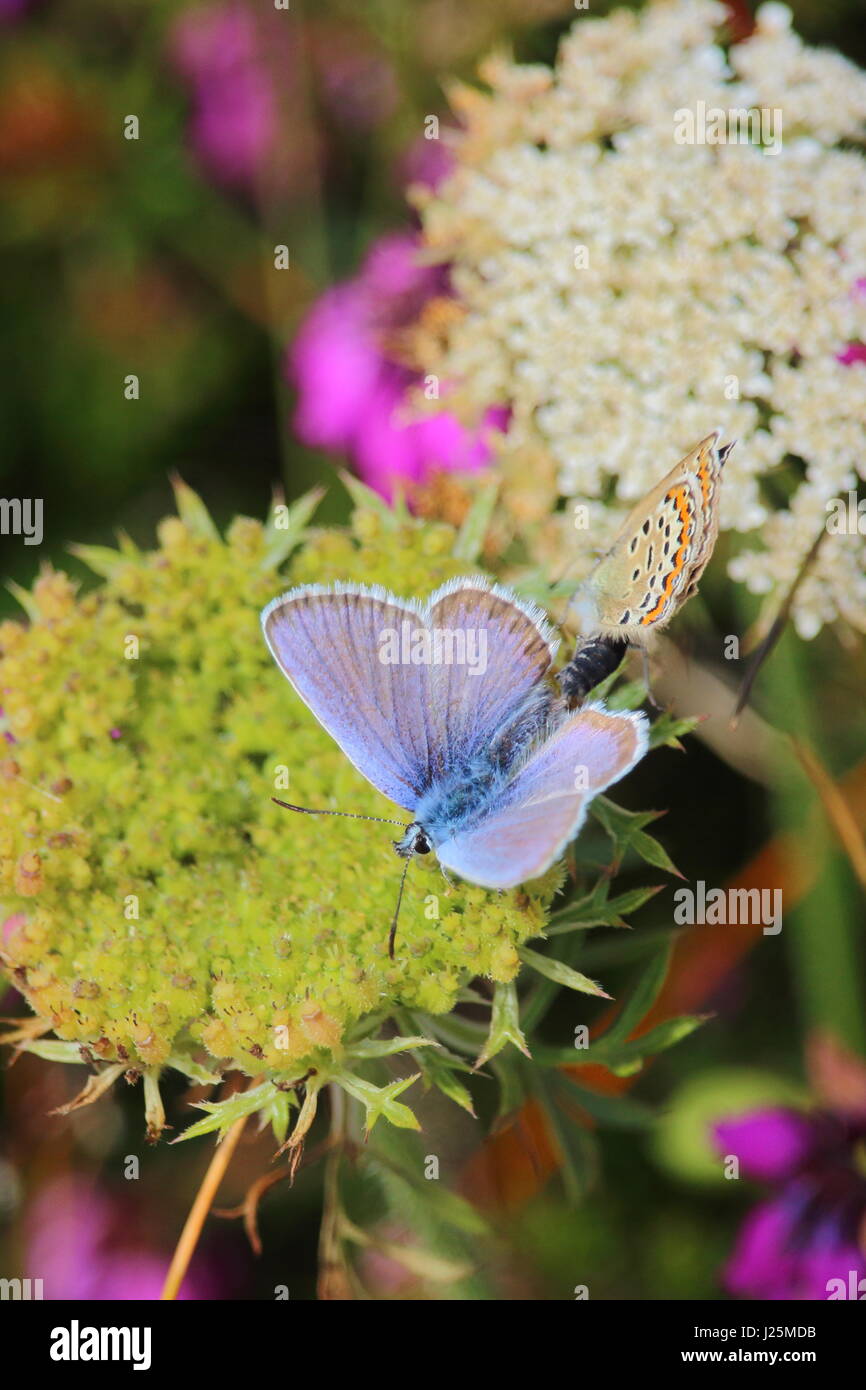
427	162
9	997
353	390
234	117
856	351
808	1235
248	76
11	9
78	1244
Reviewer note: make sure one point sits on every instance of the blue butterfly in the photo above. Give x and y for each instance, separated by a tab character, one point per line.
444	706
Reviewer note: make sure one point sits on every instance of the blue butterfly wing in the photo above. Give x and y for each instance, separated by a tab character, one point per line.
544	804
477	703
404	726
328	643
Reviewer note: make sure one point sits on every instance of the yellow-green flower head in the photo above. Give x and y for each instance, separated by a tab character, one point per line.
159	901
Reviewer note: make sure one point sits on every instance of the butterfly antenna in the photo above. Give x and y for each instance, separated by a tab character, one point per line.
353	815
393	932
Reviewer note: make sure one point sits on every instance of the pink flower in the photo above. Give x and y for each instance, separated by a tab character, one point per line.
428	162
248	82
352	390
854	352
793	1245
9	997
770	1144
11	9
78	1243
234	118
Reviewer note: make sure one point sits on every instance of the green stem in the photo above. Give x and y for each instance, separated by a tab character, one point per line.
821	933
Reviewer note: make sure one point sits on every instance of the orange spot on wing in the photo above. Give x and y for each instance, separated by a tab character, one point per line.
706	477
681	497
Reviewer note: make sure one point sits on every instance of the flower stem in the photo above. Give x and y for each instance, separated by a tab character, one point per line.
191	1232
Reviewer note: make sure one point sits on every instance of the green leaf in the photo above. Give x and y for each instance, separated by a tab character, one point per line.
560	973
53	1051
25	598
365	498
626	947
436	1269
102	559
193	1071
655	1040
626	829
439	1069
276	1112
629	695
650	980
458	1034
126	545
654	853
380	1100
587	913
577	1148
508	1068
286	525
504	1024
667	730
221	1114
616	1112
622	1056
619	823
192	510
386	1047
435	1213
470	538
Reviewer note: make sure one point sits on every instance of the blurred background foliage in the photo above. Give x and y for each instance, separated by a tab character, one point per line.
155	257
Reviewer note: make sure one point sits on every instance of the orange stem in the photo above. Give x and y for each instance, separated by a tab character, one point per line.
189	1236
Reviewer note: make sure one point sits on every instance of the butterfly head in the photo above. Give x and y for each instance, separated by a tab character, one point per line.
415	841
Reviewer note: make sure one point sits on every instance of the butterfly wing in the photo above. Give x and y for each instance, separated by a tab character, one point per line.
660	552
500	694
329	644
405	723
708	470
543	806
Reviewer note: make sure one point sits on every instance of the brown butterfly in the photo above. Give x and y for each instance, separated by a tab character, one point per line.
652	569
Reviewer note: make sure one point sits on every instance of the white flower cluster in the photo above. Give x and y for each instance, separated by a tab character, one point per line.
660	236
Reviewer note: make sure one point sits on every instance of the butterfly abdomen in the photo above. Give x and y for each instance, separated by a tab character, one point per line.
592	663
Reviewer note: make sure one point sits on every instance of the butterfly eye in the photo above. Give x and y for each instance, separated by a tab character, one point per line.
421	844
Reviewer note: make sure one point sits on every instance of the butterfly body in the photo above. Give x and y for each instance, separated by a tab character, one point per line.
660	553
495	773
